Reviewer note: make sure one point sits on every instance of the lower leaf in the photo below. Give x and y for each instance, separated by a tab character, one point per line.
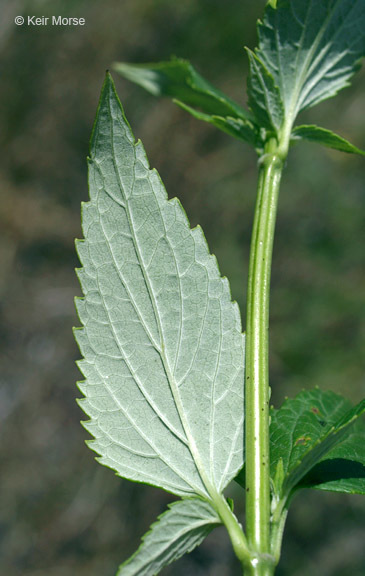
177	531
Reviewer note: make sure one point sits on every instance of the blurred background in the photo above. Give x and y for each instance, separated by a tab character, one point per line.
61	514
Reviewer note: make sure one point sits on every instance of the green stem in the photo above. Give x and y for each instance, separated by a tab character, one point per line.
257	393
259	569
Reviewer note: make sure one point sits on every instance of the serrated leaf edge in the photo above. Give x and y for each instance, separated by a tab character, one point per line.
160	517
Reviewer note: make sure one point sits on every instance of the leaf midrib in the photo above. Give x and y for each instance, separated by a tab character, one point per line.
172	429
125	412
174	390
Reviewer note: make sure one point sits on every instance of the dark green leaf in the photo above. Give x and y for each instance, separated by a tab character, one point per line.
304	430
178	79
161	339
325	138
343	469
178	531
312	48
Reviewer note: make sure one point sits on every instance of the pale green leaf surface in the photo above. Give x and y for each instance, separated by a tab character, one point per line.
241	129
326	138
161	339
263	95
312	48
305	429
178	79
178	531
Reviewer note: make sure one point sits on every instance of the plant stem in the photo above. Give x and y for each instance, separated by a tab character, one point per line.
257	359
259	569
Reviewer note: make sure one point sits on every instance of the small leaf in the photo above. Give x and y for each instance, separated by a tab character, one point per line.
264	96
325	137
311	48
241	129
178	531
161	339
178	79
304	430
343	469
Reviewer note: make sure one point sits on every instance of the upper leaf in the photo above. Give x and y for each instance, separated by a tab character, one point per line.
161	339
178	79
177	532
304	430
311	48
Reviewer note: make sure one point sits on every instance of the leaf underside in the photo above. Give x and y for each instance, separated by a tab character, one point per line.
178	531
161	339
311	48
314	427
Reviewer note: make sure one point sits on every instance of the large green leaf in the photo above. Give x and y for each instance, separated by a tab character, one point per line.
303	431
178	79
178	531
311	48
326	138
161	339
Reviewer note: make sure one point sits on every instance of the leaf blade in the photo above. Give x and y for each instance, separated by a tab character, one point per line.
343	469
161	338
236	127
325	137
311	425
264	96
178	79
312	48
177	531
